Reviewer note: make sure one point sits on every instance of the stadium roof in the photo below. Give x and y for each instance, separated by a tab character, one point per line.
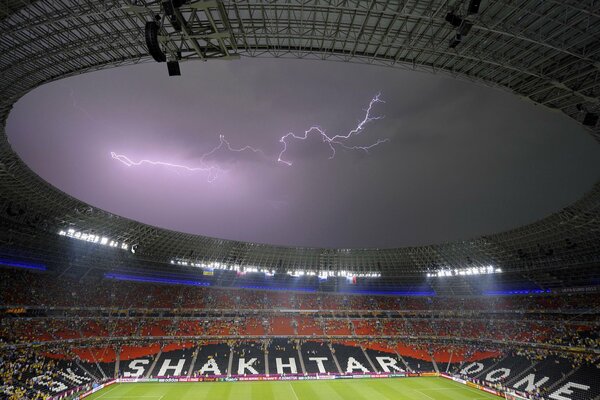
547	52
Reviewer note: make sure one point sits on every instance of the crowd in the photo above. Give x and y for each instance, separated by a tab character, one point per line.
44	329
19	370
105	318
42	289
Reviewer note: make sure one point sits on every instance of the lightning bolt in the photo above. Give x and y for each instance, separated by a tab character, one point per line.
336	139
213	171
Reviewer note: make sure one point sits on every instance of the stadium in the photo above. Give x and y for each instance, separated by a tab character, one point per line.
97	305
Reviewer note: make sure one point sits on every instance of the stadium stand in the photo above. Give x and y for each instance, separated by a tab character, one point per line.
318	357
283	357
130	329
248	358
212	359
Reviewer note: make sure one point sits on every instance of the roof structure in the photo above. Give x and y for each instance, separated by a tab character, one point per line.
547	52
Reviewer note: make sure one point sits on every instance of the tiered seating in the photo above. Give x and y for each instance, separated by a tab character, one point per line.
395	327
189	328
384	358
252	326
337	327
471	369
218	327
103	358
303	301
125	327
423	327
351	358
418	364
417	357
248	358
281	326
143	312
317	357
308	326
505	369
212	359
366	327
90	328
192	299
175	360
43	289
156	328
585	382
544	372
283	357
135	361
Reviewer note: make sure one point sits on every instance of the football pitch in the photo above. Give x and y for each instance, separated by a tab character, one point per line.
418	388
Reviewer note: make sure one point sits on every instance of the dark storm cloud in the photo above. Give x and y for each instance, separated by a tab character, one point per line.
462	160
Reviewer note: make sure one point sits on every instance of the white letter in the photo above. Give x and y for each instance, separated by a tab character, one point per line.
54	386
353	364
504	372
531	383
387	362
280	366
472	369
319	361
70	375
243	366
566	389
167	366
137	366
211	365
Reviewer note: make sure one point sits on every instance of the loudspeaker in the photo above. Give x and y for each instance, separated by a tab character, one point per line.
590	119
152	42
173	67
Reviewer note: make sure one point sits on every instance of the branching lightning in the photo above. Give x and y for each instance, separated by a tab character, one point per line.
214	170
337	139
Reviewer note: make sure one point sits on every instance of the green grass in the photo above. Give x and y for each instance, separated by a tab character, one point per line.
342	389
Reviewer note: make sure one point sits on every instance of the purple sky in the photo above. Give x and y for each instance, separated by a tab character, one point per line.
462	160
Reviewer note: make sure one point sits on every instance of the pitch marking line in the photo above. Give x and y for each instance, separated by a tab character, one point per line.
293	390
107	392
156	396
473	390
423	393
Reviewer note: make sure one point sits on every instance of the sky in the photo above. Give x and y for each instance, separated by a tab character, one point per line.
454	160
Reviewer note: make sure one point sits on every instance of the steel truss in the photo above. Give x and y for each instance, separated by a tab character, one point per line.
547	52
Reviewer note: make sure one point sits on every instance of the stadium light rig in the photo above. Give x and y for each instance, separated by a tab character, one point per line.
92	238
244	269
447	272
180	30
